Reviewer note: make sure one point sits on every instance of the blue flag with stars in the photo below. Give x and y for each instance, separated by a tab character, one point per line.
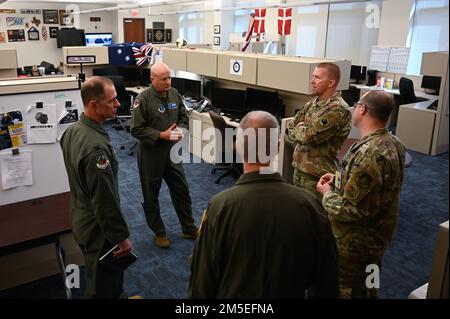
122	54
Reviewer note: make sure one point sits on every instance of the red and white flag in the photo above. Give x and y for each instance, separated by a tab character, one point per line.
260	18
248	35
284	21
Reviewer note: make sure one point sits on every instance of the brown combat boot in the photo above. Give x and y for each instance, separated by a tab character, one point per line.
162	241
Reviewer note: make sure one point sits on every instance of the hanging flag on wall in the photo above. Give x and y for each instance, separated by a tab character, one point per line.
260	18
143	54
44	33
248	35
284	21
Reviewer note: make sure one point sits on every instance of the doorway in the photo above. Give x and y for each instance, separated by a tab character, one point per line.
134	30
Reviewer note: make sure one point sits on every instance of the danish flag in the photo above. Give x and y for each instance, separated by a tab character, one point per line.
143	54
284	21
260	18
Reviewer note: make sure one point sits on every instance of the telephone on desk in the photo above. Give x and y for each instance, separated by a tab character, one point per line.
202	105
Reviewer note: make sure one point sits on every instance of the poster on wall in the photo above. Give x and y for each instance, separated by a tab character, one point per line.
16	35
50	16
30	11
2	37
14	21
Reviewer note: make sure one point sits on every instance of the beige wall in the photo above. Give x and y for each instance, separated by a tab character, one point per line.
395	22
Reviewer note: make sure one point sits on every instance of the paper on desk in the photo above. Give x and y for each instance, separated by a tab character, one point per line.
16	170
42	123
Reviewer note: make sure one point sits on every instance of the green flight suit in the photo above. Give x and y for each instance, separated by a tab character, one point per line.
326	125
152	114
95	213
363	208
264	238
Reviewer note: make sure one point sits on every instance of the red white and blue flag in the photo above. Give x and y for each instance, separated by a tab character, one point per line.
143	54
284	21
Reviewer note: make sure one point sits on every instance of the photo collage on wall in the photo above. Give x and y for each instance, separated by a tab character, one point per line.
20	25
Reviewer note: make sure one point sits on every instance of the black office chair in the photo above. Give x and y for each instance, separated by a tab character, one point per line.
234	169
407	95
123	116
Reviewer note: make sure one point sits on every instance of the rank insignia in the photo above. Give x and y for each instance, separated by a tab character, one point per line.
102	162
161	108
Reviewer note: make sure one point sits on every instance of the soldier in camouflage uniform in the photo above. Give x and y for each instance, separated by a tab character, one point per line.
95	214
362	199
319	129
157	113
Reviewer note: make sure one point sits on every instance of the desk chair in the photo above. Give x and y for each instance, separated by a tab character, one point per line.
407	95
234	168
123	116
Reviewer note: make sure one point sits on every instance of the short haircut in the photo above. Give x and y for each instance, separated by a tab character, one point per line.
94	88
334	72
255	122
379	105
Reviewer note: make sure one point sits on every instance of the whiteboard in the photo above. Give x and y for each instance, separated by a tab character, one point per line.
379	58
49	173
398	60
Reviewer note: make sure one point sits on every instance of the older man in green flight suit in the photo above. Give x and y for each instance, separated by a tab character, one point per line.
363	198
319	129
157	113
96	217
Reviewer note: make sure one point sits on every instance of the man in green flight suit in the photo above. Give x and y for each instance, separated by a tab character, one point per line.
319	129
263	238
96	217
157	113
363	198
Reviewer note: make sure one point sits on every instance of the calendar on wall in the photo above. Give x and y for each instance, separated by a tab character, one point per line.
379	58
398	60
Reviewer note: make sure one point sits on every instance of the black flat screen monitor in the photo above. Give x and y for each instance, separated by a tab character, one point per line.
69	37
269	101
432	83
131	76
98	39
229	101
192	89
178	83
358	73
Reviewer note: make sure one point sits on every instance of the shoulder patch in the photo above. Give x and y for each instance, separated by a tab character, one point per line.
363	179
351	192
102	161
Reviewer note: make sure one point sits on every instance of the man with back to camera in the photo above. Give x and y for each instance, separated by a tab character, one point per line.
319	129
157	113
363	204
95	213
263	238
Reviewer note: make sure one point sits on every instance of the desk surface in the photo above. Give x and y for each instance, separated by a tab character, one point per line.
421	105
136	89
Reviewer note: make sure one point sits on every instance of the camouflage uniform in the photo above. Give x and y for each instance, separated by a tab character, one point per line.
363	207
326	125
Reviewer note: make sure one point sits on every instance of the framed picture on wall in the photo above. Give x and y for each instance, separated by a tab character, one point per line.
65	18
216	40
52	31
217	29
16	35
50	16
33	34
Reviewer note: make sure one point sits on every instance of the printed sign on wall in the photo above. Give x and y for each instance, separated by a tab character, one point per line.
236	67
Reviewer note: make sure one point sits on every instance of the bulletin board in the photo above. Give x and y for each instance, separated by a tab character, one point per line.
43	206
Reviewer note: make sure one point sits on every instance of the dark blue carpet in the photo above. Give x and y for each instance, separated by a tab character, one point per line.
165	273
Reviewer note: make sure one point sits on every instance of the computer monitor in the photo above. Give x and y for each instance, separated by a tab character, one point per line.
98	39
110	70
192	89
432	83
269	101
178	83
132	76
207	86
229	101
66	37
358	73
